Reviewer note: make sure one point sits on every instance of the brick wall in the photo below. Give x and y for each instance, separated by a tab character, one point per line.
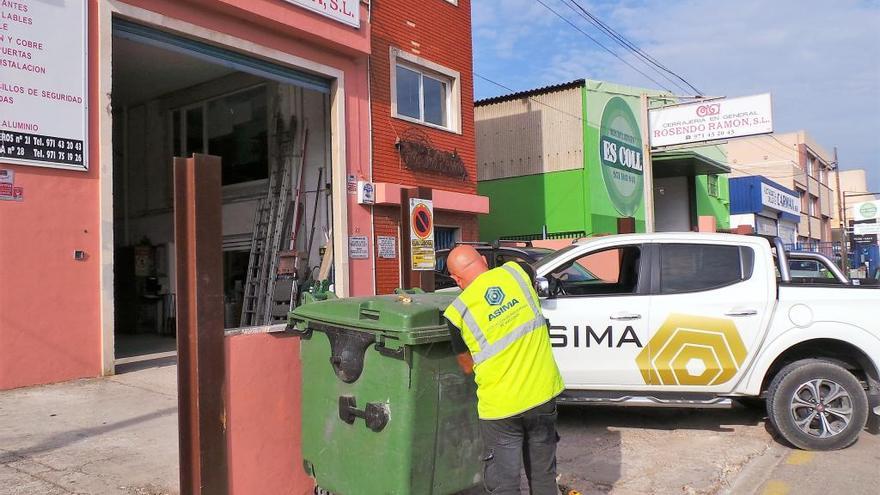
387	223
440	32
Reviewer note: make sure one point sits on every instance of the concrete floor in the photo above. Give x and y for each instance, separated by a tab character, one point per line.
140	344
104	436
119	436
710	451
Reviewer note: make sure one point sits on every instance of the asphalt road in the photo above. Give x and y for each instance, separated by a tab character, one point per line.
118	435
708	451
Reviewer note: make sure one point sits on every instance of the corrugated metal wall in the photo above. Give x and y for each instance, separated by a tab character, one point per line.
542	133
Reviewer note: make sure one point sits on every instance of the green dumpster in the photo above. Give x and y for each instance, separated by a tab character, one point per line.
385	407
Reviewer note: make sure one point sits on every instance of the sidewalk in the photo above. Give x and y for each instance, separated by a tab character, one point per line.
118	435
115	435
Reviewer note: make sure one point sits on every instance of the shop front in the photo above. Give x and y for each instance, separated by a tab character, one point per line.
567	161
769	208
270	87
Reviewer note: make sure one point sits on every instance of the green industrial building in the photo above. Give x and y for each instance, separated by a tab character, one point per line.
566	161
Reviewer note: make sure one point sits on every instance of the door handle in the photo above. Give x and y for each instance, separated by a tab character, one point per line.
624	316
741	312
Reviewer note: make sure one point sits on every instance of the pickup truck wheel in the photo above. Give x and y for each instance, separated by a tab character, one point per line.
817	405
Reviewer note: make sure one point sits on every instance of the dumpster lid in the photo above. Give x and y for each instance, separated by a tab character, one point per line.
412	318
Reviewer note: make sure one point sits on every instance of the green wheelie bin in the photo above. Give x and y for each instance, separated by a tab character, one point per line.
385	407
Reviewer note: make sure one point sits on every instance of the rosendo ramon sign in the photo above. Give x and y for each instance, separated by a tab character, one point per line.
711	120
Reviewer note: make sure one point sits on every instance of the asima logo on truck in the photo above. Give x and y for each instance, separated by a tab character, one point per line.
692	350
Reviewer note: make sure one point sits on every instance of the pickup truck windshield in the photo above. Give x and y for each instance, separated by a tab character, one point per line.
551	259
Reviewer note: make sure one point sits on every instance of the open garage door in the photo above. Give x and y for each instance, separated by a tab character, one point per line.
218	55
174	96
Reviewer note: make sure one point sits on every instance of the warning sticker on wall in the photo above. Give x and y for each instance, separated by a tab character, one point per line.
387	247
421	223
358	248
8	190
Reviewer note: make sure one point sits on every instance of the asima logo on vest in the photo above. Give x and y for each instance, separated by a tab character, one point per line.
494	296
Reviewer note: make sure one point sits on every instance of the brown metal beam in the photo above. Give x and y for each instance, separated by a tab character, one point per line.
407	274
201	368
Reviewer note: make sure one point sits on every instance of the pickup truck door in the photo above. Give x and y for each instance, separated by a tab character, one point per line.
598	314
711	304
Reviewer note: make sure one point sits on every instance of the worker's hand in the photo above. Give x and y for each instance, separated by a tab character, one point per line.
466	362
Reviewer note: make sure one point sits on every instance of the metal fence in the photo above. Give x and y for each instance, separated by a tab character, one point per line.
829	249
863	259
550	235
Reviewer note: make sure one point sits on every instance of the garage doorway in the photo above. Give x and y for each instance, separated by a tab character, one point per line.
173	96
674	208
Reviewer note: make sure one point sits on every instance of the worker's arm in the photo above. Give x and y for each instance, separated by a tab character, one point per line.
462	353
466	362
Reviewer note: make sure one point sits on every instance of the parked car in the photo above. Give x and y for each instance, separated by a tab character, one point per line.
499	253
808	269
698	320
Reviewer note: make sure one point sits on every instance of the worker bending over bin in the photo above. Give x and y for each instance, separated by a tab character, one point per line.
499	334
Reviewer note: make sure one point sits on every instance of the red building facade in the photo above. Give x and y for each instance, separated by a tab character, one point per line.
421	92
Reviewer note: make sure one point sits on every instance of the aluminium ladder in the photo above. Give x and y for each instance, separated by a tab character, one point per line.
269	223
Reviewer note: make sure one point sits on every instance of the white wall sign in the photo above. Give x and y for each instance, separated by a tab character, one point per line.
358	247
421	234
766	226
351	184
710	120
366	192
780	200
867	210
387	247
344	11
788	232
866	229
43	90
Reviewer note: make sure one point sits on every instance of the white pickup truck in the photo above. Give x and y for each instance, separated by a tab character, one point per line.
699	320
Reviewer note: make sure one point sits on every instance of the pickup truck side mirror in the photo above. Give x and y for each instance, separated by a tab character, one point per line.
542	287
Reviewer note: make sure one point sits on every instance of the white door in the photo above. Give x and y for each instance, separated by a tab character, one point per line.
598	316
711	305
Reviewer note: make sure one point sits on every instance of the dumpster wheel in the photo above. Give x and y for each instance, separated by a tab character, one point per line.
321	491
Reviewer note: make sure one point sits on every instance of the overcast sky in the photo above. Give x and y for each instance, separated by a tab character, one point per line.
819	59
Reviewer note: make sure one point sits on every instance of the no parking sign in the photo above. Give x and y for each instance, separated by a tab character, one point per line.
421	233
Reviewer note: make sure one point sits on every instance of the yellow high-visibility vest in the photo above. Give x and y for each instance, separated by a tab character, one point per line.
502	325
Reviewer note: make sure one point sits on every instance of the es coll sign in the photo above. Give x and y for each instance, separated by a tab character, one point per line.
868	210
711	120
344	11
620	153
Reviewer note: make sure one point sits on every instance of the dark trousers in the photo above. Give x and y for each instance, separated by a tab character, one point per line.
525	439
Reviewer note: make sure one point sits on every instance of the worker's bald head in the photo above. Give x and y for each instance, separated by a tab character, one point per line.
465	264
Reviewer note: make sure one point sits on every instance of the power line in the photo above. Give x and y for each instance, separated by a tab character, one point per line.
770	151
613	35
539	102
597	42
577	8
